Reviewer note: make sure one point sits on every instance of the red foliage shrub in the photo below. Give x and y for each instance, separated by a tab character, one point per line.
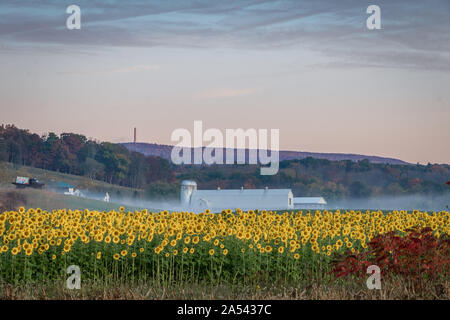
414	255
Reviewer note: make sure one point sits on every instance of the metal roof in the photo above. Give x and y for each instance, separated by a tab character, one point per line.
243	199
62	184
309	200
238	192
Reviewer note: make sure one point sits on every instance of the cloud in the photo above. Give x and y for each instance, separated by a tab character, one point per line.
223	93
138	68
420	30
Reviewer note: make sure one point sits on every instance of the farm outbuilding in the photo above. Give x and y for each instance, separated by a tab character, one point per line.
309	203
245	199
63	186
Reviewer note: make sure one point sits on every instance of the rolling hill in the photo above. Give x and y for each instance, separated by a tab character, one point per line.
164	151
10	197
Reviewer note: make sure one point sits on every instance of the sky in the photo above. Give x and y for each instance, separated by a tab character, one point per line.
311	69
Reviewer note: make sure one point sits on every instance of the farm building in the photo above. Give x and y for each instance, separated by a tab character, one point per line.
66	188
309	203
63	186
244	199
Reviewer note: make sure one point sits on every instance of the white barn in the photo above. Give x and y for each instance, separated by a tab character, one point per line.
245	199
309	203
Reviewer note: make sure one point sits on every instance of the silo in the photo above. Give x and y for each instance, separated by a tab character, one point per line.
187	188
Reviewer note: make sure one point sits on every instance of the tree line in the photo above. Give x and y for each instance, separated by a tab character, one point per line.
333	180
75	154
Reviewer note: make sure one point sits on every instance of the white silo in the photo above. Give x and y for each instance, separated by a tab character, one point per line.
187	188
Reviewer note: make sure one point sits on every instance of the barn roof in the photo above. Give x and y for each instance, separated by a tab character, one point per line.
63	185
309	200
240	192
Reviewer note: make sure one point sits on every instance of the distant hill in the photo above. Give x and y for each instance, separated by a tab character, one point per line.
164	151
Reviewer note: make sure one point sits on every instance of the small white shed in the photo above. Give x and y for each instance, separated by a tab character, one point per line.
309	203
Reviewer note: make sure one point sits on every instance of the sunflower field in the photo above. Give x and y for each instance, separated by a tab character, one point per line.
238	248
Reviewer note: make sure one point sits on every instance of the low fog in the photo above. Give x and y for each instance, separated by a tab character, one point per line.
171	205
407	202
